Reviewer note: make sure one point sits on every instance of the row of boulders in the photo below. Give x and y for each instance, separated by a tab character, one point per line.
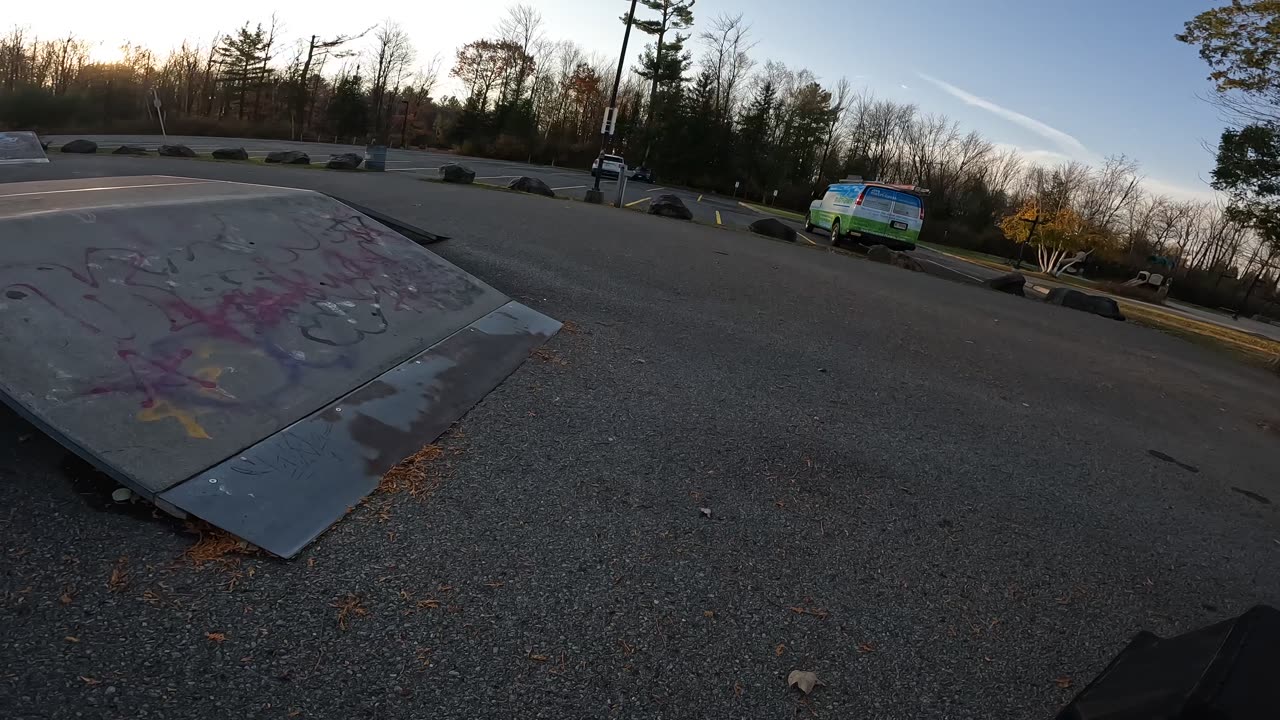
341	161
1015	283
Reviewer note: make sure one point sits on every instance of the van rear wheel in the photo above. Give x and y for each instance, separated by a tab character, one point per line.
835	233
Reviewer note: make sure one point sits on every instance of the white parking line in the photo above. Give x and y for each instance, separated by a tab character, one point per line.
570	187
654	189
408	169
496	177
951	269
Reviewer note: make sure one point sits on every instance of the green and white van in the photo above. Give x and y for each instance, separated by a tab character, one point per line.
876	213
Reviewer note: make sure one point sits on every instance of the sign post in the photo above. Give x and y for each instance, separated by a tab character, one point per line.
736	183
611	115
155	100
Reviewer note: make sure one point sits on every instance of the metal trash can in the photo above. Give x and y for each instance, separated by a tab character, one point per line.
375	158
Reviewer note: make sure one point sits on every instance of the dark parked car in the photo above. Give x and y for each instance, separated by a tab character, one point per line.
644	174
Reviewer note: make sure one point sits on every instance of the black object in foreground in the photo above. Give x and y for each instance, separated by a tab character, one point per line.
531	185
345	161
176	151
774	228
455	173
1226	671
1076	300
230	154
84	147
288	157
1012	283
669	206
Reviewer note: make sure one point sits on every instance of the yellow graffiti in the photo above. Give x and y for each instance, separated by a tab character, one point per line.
163	409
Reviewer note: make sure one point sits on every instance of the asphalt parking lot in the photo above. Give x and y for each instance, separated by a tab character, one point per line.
945	501
565	182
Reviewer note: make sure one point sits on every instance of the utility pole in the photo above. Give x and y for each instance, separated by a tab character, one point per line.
611	113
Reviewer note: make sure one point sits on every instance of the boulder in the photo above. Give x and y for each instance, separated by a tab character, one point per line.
1012	283
85	147
455	173
230	154
129	150
289	157
669	206
880	253
344	161
176	151
774	228
905	261
531	185
1076	300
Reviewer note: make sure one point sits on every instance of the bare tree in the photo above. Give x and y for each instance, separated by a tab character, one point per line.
522	28
388	63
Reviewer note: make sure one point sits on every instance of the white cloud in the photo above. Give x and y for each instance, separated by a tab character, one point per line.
1037	156
1178	191
1065	142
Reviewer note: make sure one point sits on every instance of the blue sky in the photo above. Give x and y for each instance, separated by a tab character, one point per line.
1081	79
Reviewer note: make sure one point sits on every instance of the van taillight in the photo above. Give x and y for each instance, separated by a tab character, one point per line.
922	213
860	196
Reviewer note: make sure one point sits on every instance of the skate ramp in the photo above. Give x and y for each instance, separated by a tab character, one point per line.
255	356
21	148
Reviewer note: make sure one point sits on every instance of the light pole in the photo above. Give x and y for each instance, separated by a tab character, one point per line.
404	124
611	113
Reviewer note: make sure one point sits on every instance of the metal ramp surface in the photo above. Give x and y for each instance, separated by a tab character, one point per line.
21	148
255	356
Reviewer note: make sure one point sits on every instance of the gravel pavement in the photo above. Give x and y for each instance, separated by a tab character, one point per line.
942	500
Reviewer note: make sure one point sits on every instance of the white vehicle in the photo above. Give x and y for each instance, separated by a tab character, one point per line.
609	166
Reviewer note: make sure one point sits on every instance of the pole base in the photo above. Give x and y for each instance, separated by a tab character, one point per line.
595	197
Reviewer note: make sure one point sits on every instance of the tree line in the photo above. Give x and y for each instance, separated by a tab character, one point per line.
699	107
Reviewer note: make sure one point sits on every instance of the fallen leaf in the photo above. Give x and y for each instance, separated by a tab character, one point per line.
350	605
295	713
1063	682
866	647
780	649
804	680
495	584
538	658
708	613
71	639
216	636
311	562
65	598
737	688
90	681
119	575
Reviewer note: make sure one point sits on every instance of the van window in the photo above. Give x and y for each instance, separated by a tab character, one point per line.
613	159
891	201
